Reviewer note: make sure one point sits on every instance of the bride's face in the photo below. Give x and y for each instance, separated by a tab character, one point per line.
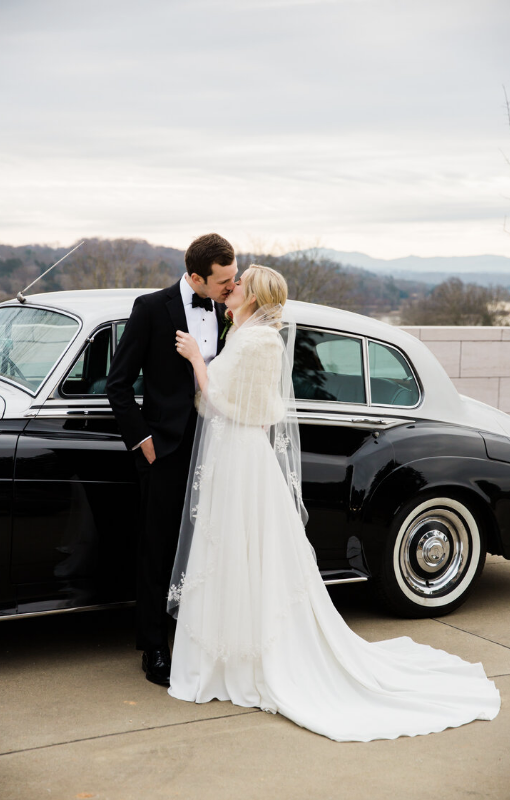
236	296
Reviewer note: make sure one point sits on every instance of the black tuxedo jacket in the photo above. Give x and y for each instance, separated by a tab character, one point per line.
148	343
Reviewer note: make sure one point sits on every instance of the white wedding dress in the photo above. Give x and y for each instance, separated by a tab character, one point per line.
256	624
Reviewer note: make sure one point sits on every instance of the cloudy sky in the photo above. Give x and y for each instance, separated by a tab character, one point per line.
370	125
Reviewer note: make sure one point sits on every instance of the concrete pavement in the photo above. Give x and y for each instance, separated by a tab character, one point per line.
79	720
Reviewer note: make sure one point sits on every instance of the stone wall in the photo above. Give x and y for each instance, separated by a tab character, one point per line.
476	359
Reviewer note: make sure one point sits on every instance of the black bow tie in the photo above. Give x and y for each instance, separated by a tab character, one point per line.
202	302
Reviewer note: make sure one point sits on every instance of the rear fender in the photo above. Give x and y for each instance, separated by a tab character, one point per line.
424	478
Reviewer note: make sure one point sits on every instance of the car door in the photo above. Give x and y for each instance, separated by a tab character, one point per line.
345	450
75	493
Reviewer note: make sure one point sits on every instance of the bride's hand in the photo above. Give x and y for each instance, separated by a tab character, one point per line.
186	346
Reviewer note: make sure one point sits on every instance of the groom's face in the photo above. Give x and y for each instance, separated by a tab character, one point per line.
219	285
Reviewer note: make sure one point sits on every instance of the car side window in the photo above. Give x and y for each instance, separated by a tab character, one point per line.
328	366
392	382
89	372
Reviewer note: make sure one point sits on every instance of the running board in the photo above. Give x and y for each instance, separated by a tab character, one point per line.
331	576
73	609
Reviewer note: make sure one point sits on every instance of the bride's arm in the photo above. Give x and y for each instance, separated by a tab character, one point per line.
187	347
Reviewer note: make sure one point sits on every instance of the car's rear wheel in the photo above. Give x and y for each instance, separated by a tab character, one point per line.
434	553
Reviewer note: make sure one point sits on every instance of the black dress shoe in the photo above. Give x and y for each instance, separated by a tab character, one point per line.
156	665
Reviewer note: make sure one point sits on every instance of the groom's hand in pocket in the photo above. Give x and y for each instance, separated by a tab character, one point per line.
148	450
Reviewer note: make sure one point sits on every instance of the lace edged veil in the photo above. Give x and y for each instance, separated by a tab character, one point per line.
249	388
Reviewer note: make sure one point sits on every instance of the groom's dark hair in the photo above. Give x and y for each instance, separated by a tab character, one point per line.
205	251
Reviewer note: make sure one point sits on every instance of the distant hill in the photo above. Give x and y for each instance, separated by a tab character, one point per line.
483	269
100	263
433	278
33	253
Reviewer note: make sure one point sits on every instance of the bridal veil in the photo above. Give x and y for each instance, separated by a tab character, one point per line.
249	389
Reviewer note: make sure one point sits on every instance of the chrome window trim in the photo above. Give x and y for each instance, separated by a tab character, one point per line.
409	364
56	364
366	371
116	324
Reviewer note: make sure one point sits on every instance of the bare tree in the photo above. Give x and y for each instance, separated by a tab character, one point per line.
111	264
310	277
456	303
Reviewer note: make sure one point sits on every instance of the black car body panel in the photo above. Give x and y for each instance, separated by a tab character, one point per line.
75	503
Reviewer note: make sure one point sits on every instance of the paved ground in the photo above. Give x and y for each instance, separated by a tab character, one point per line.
80	721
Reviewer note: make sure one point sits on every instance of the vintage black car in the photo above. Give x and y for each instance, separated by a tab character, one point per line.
406	482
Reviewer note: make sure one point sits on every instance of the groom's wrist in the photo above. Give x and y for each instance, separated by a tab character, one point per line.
140	443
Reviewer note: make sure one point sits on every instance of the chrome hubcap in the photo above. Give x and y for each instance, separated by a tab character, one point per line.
432	550
435	551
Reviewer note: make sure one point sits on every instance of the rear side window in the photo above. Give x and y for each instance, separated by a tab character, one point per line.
391	379
328	366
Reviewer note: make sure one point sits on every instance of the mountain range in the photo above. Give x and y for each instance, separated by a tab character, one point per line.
483	269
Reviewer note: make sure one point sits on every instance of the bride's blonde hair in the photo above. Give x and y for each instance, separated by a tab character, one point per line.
266	285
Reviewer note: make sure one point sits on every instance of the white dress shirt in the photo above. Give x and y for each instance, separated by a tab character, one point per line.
202	325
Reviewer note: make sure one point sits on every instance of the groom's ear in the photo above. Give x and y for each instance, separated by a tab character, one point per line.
196	279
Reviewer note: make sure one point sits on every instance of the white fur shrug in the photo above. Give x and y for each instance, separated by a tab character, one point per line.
244	379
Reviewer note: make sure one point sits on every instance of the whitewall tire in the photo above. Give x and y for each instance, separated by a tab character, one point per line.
435	551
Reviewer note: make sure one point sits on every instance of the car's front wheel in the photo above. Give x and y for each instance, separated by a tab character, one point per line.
434	553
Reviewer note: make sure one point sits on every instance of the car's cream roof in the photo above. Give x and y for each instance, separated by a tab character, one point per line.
89	304
96	305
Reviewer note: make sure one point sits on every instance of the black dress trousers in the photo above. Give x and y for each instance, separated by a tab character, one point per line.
163	488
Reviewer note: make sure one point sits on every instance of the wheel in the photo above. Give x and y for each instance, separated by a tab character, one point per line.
434	553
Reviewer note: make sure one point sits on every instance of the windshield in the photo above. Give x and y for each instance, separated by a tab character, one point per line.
31	342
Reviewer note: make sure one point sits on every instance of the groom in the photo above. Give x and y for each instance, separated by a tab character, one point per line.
161	432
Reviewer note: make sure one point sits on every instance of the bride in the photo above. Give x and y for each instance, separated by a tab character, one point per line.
255	621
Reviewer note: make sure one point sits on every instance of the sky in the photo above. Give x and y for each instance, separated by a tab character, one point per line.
377	126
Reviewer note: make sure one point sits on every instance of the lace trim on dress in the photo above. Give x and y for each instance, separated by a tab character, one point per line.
296	483
187	583
282	443
202	473
217	425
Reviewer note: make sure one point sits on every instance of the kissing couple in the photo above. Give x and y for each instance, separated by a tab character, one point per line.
223	546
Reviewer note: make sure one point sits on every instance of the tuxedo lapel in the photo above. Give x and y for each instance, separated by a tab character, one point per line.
175	308
220	309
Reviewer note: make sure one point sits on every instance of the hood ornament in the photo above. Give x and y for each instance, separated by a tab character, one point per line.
21	295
